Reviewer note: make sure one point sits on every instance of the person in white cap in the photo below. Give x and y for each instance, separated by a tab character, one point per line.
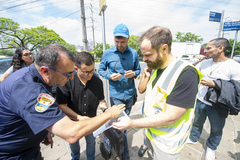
122	64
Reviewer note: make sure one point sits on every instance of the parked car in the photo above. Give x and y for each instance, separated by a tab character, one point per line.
190	58
4	65
5	57
237	58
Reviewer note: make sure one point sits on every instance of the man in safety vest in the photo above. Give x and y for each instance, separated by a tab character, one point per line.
170	96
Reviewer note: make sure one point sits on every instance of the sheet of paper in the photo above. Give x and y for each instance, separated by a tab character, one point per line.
107	125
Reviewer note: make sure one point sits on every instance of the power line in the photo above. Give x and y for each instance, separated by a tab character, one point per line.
34	7
62	18
9	1
20	5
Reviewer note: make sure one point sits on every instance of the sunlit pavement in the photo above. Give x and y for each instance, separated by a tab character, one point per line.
229	148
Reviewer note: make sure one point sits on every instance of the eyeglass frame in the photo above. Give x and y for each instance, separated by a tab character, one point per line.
87	72
65	74
208	48
27	54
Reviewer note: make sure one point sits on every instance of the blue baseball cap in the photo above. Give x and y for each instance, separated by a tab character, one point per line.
121	30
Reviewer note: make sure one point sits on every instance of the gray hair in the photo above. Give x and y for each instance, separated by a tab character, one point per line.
50	55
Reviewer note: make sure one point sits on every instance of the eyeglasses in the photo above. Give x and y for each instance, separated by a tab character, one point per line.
27	54
65	74
208	48
87	72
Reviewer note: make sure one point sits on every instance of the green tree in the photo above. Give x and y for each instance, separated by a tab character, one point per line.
236	48
98	49
134	43
31	38
8	29
6	53
70	47
187	37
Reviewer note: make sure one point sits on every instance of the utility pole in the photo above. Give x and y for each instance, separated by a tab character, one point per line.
83	19
221	24
91	8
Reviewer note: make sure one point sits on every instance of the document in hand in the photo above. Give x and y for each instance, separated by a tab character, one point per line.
108	125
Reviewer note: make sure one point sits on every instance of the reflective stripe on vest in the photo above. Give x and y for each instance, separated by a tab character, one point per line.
169	138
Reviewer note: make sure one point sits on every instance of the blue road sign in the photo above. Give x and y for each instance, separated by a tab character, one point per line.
215	17
231	26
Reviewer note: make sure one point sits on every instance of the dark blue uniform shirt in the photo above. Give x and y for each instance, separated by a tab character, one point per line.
26	110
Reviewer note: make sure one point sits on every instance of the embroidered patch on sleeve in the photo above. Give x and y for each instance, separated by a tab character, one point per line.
44	101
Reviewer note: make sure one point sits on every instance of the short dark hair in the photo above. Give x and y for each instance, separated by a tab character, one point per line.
158	36
221	42
84	58
49	55
119	37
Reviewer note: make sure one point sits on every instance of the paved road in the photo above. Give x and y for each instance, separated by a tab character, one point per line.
229	148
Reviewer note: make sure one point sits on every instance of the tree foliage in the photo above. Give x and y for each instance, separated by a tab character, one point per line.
6	53
134	43
98	49
236	48
31	38
187	37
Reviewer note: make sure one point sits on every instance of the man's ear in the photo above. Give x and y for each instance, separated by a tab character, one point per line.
221	48
75	67
44	69
164	48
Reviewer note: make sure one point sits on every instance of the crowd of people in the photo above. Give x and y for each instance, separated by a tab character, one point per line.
177	101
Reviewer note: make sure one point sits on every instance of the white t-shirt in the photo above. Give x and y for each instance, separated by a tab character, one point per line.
225	70
10	70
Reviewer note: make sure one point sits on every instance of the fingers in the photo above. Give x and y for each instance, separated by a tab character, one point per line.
115	76
121	107
121	124
115	110
129	74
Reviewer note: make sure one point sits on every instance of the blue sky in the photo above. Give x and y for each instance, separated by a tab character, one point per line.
63	16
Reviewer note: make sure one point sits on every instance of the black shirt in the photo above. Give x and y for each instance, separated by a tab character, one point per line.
82	99
185	89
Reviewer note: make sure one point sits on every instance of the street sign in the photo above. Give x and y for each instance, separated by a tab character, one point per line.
231	26
215	17
102	5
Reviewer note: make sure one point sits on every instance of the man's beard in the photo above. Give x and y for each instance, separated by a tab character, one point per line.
155	64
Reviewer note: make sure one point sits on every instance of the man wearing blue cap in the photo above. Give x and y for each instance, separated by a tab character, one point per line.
123	66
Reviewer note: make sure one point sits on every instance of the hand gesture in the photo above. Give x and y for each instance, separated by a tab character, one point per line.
208	82
122	123
48	140
115	76
200	57
115	110
129	74
147	72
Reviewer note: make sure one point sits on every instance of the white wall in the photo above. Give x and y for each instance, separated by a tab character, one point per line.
181	48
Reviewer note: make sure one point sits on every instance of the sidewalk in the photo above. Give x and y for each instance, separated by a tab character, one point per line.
229	148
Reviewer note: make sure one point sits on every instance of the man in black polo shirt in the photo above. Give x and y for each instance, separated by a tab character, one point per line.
80	97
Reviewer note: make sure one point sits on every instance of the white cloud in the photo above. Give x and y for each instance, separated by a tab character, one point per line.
138	15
